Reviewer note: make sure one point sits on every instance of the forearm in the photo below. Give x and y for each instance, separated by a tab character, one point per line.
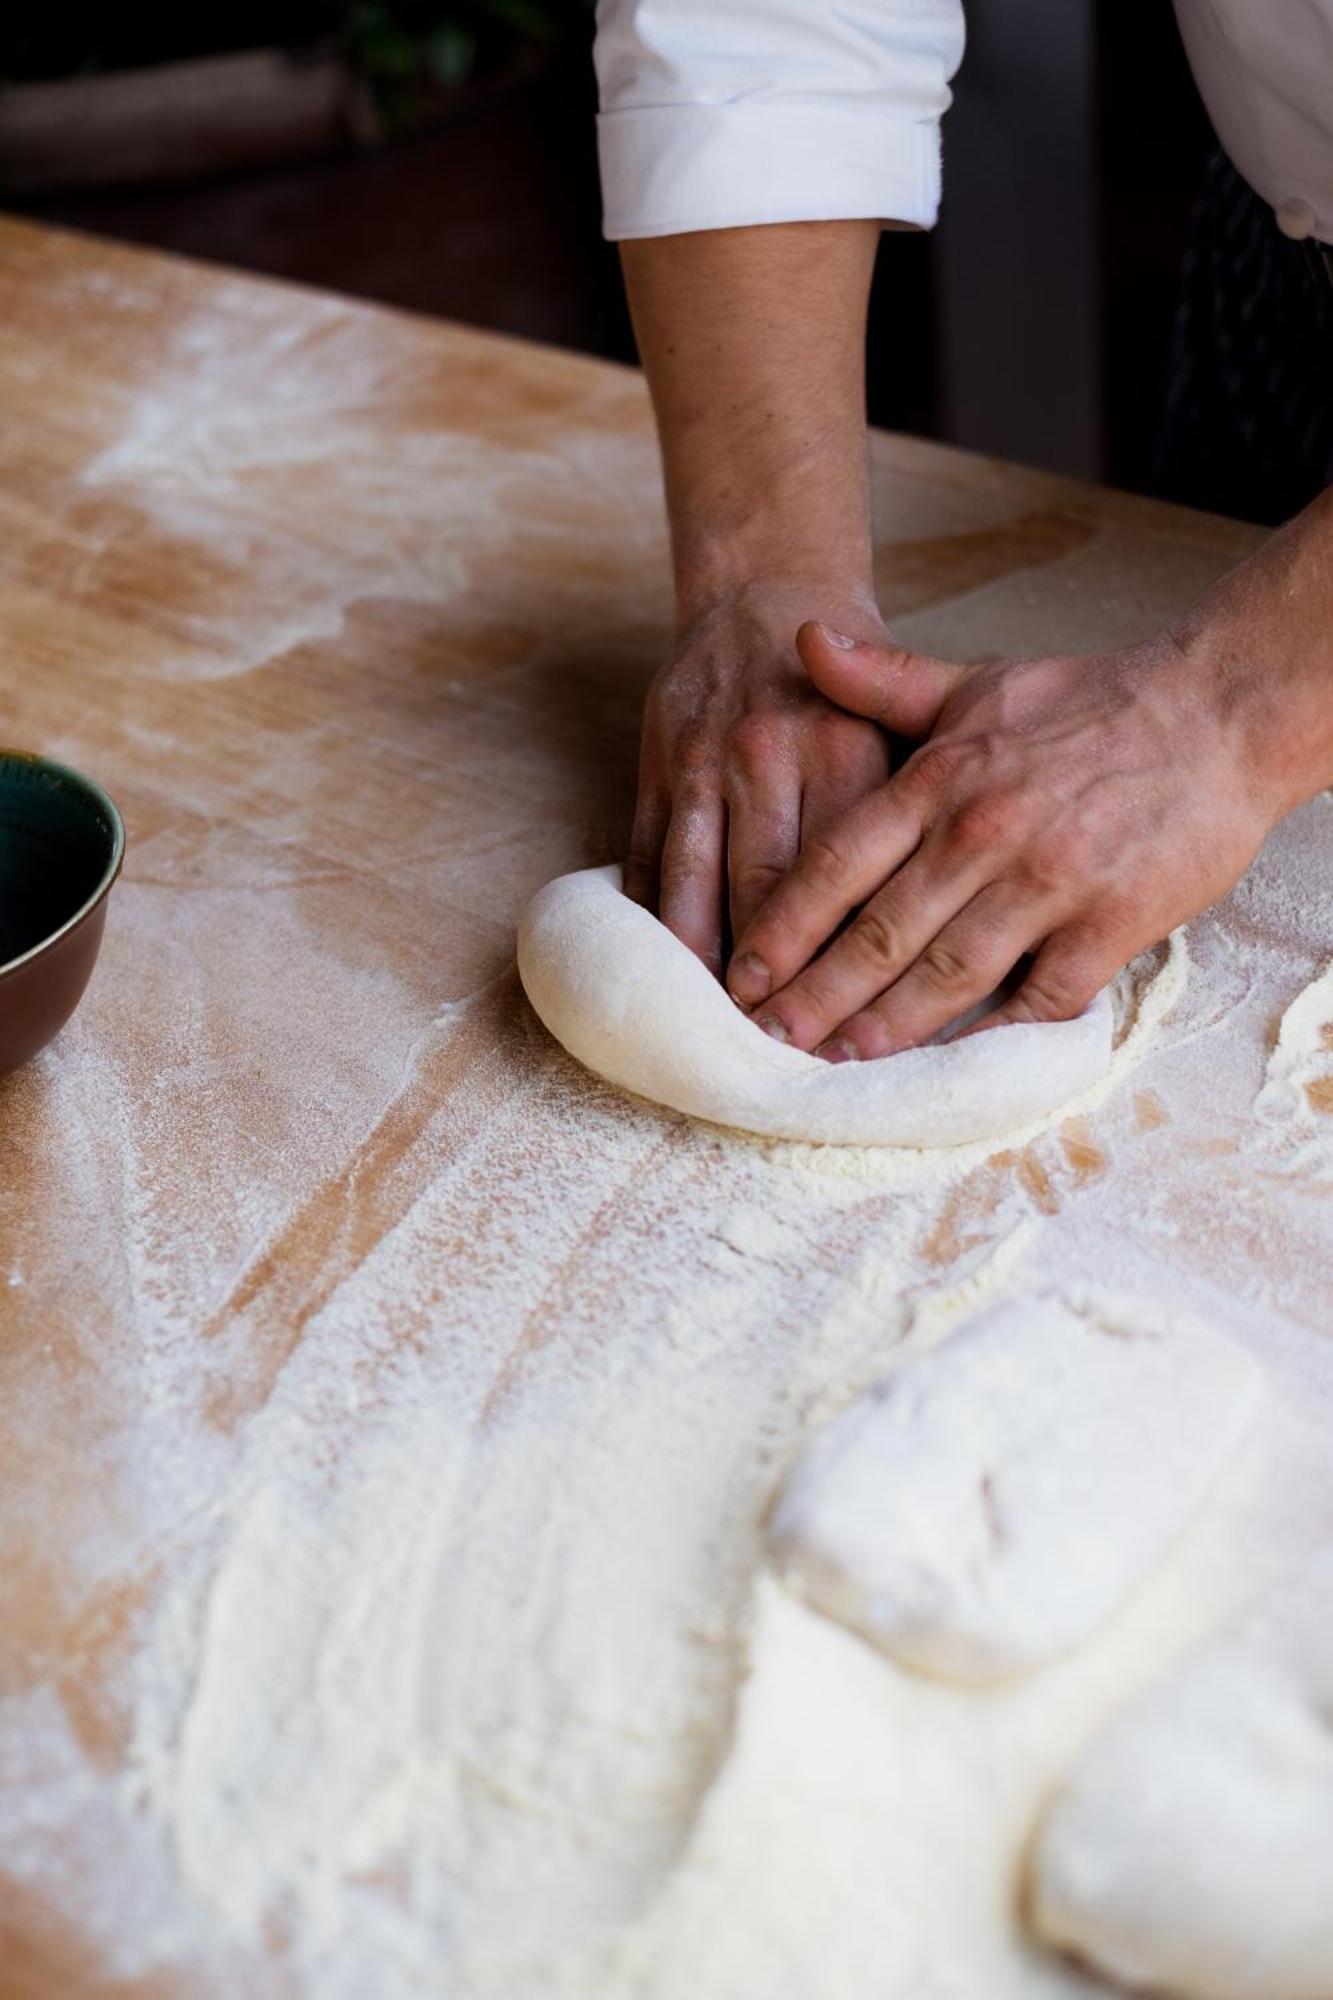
753	341
1263	639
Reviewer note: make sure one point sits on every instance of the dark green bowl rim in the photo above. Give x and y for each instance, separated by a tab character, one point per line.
80	783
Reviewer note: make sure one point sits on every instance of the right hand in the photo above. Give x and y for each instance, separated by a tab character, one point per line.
743	759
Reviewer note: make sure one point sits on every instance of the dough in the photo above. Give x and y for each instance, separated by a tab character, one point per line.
633	1004
993	1501
1192	1848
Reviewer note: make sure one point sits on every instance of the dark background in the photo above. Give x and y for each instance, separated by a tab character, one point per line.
458	177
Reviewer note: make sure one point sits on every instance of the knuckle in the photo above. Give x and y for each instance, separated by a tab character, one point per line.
943	967
984	824
754	744
875	935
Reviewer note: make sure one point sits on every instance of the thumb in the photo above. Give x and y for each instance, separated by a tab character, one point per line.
903	691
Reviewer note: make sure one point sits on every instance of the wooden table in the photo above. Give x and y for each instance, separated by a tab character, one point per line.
350	1335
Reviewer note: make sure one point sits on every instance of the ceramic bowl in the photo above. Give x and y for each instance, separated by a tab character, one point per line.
61	846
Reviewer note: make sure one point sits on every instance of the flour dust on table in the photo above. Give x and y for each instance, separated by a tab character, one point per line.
938	1786
636	1006
407	1629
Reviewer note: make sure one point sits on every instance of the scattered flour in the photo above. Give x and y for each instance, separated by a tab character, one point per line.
221	453
419	1400
466	1687
1296	1101
867	1833
454	1678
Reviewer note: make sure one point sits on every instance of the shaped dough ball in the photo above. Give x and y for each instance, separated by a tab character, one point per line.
990	1504
1191	1851
635	1006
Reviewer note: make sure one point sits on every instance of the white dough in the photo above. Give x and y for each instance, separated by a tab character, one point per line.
1191	1850
990	1504
632	1003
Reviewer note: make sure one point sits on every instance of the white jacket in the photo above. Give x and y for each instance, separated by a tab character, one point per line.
716	113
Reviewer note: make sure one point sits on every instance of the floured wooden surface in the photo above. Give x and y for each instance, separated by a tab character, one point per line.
390	1407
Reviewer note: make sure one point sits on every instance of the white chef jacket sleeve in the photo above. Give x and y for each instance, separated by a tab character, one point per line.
718	113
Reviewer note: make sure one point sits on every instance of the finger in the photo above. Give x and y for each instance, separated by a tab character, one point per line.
652	816
962	964
763	839
835	871
883	941
1068	972
852	762
901	690
692	894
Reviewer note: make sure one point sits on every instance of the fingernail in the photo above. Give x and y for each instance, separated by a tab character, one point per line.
749	979
837	1051
772	1026
838	639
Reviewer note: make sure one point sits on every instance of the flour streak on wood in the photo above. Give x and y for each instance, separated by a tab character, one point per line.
392	1408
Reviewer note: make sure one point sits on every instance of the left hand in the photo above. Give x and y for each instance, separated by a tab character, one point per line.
1072	809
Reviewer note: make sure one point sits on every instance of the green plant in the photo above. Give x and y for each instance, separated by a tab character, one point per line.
401	46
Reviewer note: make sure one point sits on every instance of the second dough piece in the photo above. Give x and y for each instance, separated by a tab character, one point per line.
988	1505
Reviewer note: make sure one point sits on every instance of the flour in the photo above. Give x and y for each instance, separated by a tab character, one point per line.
1296	1101
867	1818
467	1689
532	1788
392	1408
221	453
451	1670
438	1454
454	1446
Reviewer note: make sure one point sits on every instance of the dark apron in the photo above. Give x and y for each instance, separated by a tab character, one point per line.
1248	426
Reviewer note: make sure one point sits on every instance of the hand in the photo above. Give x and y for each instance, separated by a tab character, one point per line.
743	760
1073	809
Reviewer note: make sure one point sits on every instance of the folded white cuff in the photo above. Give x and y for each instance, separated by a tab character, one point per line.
671	168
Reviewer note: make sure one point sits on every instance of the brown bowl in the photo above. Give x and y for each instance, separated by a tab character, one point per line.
61	846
